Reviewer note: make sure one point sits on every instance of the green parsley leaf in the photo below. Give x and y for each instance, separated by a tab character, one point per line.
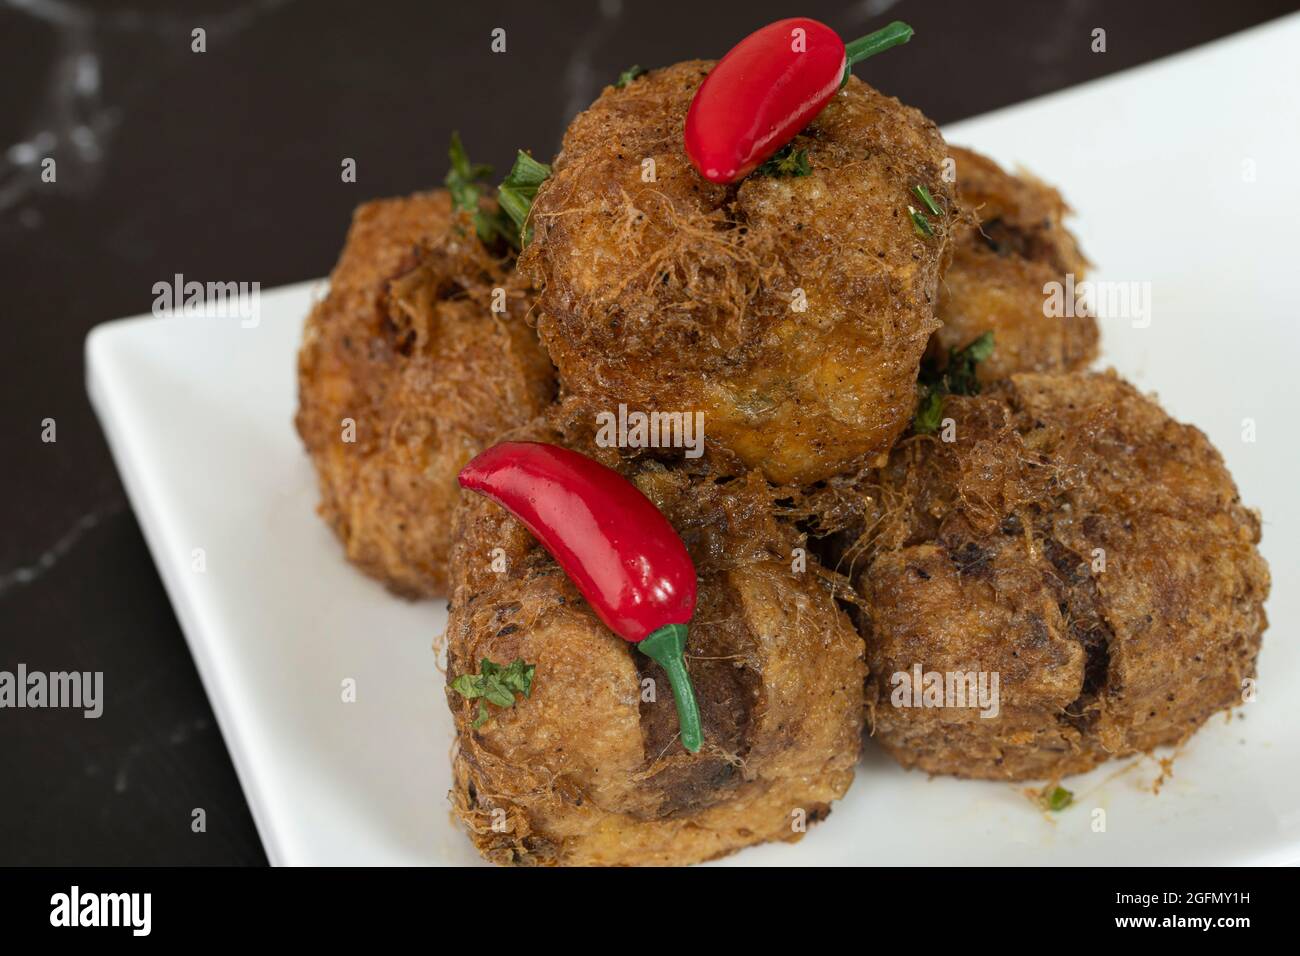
462	177
628	75
957	377
929	414
495	692
786	161
960	370
518	676
514	196
468	686
495	684
463	182
981	348
1057	799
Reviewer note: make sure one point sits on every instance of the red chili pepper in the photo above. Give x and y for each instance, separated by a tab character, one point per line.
768	88
612	542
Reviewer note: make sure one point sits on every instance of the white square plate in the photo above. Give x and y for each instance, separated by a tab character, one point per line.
1184	175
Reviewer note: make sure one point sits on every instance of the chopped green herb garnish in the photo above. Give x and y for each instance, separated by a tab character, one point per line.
495	684
923	194
628	75
786	161
514	196
517	192
959	373
920	223
957	377
1057	799
462	182
929	413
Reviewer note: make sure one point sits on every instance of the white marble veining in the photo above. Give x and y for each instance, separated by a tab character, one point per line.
72	121
27	573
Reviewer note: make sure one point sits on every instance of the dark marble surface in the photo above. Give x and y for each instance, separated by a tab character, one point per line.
225	165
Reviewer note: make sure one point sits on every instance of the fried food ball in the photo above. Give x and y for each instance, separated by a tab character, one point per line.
586	770
999	267
792	310
1083	546
406	373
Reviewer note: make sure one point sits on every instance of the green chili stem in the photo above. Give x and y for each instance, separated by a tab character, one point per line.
893	35
667	646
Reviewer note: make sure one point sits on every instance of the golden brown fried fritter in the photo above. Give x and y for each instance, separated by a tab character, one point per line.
999	267
585	771
1082	545
677	294
407	348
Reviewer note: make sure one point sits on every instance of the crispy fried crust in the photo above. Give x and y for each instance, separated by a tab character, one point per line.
407	347
988	556
586	772
999	267
679	295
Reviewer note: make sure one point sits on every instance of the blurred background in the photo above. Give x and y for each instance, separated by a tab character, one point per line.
225	165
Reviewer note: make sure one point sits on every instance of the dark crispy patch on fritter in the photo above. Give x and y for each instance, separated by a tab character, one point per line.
407	346
1000	264
587	770
676	294
1078	542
